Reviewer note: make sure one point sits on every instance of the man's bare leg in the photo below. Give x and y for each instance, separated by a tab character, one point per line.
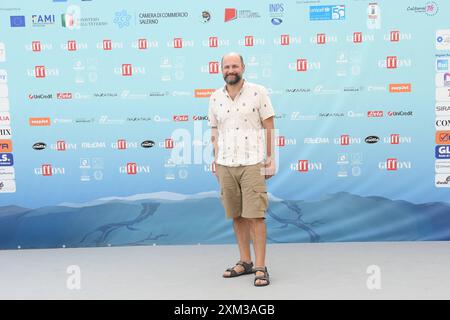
258	231
242	232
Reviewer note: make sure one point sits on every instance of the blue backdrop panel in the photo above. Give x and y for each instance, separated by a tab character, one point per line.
103	119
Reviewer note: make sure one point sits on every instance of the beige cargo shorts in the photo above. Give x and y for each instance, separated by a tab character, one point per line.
243	191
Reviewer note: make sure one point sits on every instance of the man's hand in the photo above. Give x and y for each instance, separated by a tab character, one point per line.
269	168
214	169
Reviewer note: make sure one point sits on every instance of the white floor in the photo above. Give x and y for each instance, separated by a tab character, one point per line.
407	270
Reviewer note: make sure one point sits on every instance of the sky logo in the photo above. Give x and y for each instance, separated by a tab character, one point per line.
17	21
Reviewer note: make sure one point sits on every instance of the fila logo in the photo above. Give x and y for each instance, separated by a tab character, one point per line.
391	164
127	70
302	65
61	145
395	138
213	42
121	144
395	36
168	144
131	168
321	38
142	44
357	37
213	67
285	39
345	140
71	45
248	41
391	62
303	165
280	142
107	45
178	43
39	71
36	46
46	169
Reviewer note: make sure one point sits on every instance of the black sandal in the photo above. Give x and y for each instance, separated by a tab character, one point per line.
248	269
265	277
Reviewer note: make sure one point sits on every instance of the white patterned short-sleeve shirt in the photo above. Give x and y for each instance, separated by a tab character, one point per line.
241	140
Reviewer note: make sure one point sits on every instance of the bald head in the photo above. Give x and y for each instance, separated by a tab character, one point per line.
232	55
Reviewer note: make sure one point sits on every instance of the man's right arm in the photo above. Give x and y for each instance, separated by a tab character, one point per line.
214	138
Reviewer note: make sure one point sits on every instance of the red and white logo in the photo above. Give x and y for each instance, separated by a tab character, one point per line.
213	42
391	164
71	45
321	38
280	141
61	145
142	44
302	65
127	70
374	114
168	143
391	62
345	140
131	168
107	45
285	39
64	95
248	41
39	71
178	43
181	118
213	67
36	46
395	36
46	169
357	37
303	165
395	138
121	144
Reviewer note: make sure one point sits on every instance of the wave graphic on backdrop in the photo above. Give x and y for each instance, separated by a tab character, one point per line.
165	218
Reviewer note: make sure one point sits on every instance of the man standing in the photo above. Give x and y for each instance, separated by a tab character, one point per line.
241	119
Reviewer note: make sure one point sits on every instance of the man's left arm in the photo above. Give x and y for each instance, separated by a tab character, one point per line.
270	165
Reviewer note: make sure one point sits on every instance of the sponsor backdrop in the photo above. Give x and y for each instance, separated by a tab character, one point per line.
104	132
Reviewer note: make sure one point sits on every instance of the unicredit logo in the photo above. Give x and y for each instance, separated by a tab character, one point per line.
198	118
40	96
400	113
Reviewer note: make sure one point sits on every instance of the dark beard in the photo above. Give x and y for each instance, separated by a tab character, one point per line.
237	78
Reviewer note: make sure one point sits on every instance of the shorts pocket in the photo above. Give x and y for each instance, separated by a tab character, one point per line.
262	197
